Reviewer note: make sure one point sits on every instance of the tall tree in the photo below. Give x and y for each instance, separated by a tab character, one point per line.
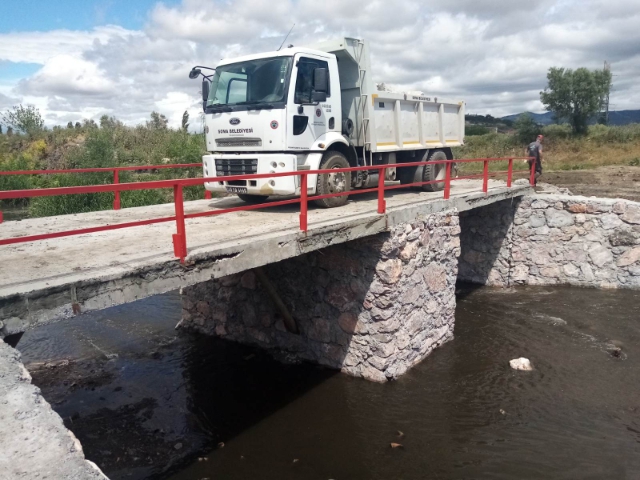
9	131
576	95
0	129
25	119
185	121
70	125
158	121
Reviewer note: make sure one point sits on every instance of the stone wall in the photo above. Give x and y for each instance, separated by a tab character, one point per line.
372	307
553	239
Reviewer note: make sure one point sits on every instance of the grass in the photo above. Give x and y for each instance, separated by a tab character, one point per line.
602	146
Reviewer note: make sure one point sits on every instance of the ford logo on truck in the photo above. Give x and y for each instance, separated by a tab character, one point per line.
234	121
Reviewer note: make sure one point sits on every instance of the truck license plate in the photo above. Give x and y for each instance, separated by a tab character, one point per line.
236	189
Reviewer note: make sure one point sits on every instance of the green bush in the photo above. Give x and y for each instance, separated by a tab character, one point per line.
88	146
556	132
473	130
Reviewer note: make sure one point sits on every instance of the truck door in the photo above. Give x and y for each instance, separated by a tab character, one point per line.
308	121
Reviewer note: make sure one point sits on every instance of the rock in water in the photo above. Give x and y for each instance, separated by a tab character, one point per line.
521	364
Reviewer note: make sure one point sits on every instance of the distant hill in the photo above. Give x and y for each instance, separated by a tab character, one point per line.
622	117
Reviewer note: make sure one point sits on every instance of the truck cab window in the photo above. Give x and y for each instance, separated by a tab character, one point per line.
260	82
230	87
304	80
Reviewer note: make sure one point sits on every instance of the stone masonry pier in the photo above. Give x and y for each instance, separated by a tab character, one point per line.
372	307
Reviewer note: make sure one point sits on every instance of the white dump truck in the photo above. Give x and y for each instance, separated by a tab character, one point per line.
317	108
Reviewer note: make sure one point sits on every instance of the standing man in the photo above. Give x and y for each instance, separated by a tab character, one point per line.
535	150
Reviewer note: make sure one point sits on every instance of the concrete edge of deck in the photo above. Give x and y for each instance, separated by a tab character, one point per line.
36	444
25	305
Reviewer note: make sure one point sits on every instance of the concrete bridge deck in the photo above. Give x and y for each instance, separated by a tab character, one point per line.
54	278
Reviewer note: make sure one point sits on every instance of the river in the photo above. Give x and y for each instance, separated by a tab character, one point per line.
148	402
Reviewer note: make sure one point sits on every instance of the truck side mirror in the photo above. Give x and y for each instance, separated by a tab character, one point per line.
205	90
320	85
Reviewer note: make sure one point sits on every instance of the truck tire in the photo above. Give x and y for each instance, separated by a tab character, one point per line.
333	182
252	199
435	172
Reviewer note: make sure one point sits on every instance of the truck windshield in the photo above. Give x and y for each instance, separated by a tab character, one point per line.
258	83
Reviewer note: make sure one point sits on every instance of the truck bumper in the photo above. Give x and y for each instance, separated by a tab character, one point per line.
219	165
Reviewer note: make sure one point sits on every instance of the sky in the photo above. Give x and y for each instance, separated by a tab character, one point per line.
81	59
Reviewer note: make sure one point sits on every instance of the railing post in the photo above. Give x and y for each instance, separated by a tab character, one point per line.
382	204
303	201
510	173
532	174
1	217
485	177
207	194
179	238
116	194
447	181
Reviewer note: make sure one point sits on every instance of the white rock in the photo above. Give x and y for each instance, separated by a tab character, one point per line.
521	364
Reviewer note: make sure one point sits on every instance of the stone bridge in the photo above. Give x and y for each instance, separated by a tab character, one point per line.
385	282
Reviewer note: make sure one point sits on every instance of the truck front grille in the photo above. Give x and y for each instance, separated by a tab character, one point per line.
236	166
239	142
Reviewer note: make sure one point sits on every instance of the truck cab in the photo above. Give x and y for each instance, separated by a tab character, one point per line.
268	113
309	108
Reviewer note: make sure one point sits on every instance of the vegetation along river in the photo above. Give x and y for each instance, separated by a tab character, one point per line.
148	402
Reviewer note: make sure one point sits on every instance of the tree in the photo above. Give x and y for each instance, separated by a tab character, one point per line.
185	121
78	126
9	131
158	121
0	129
89	123
70	125
576	95
24	119
109	122
526	128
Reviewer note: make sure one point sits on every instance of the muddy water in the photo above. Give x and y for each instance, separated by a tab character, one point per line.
147	402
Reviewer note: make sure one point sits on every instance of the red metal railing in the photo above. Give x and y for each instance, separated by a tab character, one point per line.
116	175
180	238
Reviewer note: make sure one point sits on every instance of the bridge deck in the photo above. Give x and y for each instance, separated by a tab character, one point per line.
42	280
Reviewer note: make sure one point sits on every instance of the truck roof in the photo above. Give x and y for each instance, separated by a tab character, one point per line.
285	52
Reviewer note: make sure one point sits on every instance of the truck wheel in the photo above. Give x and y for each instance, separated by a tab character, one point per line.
435	172
333	182
252	199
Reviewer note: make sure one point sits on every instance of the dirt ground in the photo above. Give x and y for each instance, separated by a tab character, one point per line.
610	182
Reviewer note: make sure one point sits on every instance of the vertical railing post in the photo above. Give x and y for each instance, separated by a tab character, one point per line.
485	177
382	204
207	194
1	217
116	194
532	174
510	173
447	180
303	201
179	238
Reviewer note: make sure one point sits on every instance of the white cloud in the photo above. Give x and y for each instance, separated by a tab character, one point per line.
492	54
66	75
